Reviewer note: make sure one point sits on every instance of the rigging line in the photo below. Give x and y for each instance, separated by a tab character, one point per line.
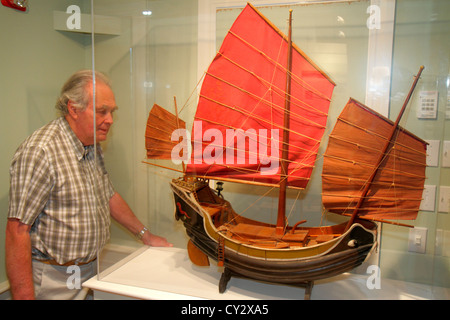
367	182
307	156
370	210
293	205
243	123
219	146
192	92
257	200
278	56
377	150
392	150
374	133
356	181
266	193
237	109
399	151
277	141
380	136
382	220
249	153
163	141
310	155
416	151
394	154
159	129
369	165
229	127
279	91
156	115
271	104
390	199
245	170
160	166
235	180
282	177
296	79
358	145
372	166
159	149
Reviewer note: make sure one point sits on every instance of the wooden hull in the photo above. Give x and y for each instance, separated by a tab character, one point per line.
293	264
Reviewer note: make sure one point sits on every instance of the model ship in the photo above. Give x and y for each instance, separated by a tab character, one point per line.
274	100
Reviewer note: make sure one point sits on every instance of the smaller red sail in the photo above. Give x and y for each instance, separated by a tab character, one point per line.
158	134
238	126
355	144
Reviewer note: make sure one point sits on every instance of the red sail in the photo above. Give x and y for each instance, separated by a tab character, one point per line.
158	133
355	144
243	95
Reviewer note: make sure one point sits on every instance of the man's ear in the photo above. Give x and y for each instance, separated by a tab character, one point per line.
73	111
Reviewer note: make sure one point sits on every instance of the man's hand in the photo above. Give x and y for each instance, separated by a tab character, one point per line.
150	239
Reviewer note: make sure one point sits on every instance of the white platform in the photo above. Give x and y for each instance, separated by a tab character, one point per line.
168	274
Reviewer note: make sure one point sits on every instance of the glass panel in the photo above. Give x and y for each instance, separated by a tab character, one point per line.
421	38
152	58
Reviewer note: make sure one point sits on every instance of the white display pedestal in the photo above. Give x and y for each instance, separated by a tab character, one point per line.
168	274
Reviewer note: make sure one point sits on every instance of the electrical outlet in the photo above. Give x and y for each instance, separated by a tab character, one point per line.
444	199
433	152
428	198
417	240
446	154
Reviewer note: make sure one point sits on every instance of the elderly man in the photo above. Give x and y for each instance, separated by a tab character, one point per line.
61	198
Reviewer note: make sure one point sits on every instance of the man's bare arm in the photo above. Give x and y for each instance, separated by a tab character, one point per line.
18	260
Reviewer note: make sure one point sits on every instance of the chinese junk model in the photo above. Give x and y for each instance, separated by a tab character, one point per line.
373	169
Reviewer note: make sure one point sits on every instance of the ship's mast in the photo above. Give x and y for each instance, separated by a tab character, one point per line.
285	143
383	154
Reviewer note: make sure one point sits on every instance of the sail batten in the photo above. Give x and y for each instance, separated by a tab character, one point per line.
396	189
282	68
377	135
373	166
158	134
263	100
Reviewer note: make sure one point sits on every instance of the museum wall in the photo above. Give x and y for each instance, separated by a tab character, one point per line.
35	60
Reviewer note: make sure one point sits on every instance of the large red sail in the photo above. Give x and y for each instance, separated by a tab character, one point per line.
355	144
243	95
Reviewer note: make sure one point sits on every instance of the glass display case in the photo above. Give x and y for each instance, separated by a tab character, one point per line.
157	52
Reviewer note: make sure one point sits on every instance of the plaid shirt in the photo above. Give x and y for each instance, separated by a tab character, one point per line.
57	188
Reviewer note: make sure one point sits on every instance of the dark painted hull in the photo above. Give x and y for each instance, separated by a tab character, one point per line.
339	258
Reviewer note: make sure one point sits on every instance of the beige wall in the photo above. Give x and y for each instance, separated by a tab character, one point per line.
34	62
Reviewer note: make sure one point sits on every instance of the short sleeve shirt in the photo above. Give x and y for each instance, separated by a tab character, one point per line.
62	190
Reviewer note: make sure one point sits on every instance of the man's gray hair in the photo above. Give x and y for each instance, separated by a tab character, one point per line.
75	90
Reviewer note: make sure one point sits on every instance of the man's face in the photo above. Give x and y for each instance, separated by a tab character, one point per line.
105	105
